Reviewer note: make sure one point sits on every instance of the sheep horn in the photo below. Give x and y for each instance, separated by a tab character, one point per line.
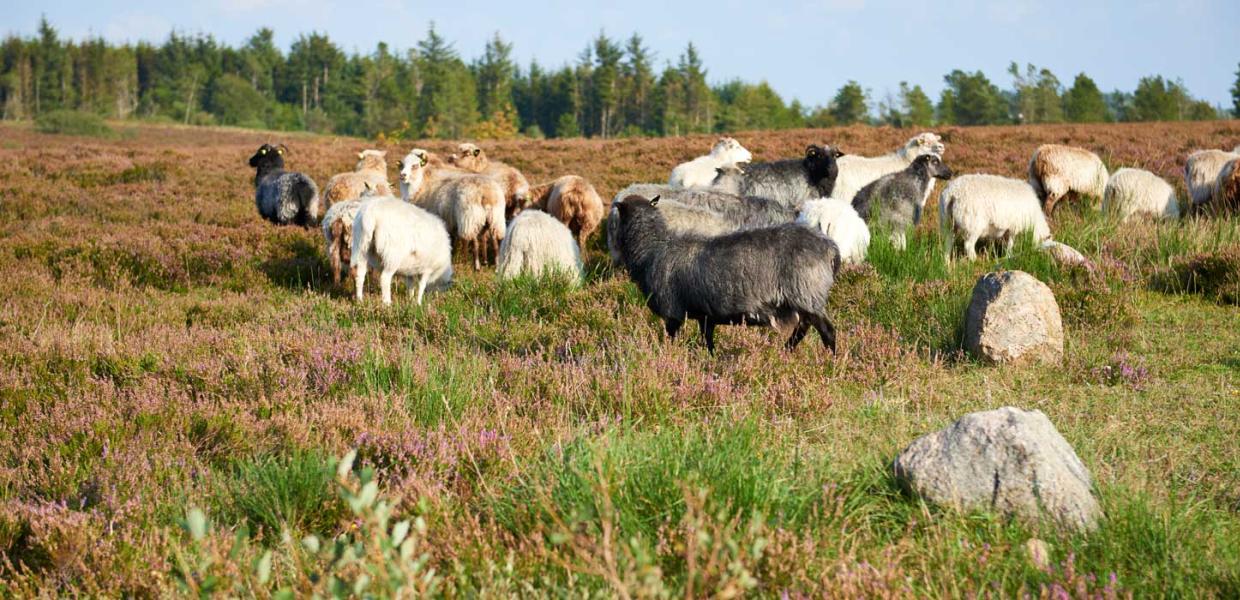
654	201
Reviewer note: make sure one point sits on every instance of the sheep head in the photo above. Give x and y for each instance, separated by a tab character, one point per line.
922	143
932	164
373	160
729	150
413	169
269	157
469	157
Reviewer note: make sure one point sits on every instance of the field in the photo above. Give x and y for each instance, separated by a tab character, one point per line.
167	355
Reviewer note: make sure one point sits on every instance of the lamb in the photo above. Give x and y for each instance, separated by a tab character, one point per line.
1132	192
858	171
539	244
516	189
576	203
1201	172
471	204
371	169
283	197
777	276
837	220
900	197
701	170
786	182
1057	172
398	238
974	207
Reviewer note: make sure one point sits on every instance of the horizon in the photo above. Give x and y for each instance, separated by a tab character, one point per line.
1119	57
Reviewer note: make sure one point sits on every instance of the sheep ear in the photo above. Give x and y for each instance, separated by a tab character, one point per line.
654	201
282	149
811	151
361	154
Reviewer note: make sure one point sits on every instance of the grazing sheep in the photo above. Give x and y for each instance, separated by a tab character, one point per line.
786	182
538	243
516	189
777	276
858	171
576	204
1058	171
283	197
398	238
701	170
471	204
837	220
1132	192
1201	174
974	207
1226	200
899	198
371	170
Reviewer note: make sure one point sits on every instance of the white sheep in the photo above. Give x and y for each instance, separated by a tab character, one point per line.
398	238
858	171
471	204
1132	192
1201	174
1057	171
975	207
538	243
701	170
837	220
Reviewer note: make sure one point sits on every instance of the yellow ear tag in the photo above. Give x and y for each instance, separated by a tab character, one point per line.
262	151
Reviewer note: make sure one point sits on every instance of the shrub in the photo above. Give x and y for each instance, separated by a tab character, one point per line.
292	492
73	122
1215	275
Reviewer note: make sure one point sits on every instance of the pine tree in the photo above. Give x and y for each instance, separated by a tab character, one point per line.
917	106
638	85
1083	102
1235	95
849	105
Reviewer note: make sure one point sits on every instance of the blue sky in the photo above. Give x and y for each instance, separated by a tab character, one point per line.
804	49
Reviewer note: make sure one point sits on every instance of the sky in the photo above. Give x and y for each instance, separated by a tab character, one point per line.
804	49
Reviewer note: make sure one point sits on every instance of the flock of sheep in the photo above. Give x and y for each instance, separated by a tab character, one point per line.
726	240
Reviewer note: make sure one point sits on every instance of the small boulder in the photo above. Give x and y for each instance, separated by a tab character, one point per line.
1013	318
1010	461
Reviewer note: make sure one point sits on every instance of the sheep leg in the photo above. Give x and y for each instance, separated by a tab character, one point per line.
475	246
825	330
359	279
899	241
1048	206
422	286
798	333
673	327
385	284
1009	241
708	333
970	247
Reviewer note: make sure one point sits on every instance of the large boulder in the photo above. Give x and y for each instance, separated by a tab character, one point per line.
1008	461
1013	318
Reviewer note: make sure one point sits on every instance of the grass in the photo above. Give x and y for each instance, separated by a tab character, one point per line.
161	348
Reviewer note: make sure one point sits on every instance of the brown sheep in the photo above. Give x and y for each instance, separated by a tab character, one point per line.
1057	172
371	168
573	201
516	188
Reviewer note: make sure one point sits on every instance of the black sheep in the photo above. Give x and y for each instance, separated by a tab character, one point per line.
283	197
788	183
775	276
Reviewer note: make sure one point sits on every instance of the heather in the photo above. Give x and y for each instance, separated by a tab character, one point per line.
179	382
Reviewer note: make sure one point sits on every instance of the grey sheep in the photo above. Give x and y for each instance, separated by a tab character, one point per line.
788	183
283	197
775	276
896	200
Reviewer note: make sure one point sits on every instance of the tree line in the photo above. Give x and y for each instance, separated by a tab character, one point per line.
613	88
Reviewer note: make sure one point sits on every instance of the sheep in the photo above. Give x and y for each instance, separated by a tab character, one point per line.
858	171
701	170
1132	192
338	234
1057	171
1201	174
777	276
974	207
398	238
538	243
837	220
516	189
900	197
741	212
576	203
787	182
471	204
371	169
1226	200
283	197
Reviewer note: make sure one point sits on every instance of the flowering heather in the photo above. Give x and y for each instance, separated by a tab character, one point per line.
176	376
